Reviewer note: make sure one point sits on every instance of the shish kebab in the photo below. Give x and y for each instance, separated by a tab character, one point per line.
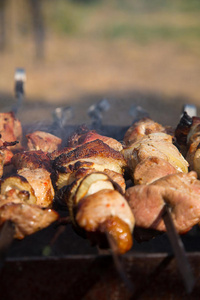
90	182
161	176
27	193
32	182
19	202
88	159
164	197
72	169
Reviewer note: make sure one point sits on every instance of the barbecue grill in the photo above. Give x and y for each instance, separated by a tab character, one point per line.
56	263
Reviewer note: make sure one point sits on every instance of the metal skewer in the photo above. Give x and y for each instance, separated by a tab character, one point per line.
179	251
118	263
20	78
6	239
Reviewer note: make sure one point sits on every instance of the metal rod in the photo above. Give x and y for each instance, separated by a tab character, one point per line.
6	239
20	78
119	264
179	251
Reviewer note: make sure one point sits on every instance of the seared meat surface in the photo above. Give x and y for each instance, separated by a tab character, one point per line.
84	135
10	129
32	160
151	155
90	181
188	137
94	155
151	169
141	129
40	181
28	218
25	193
193	142
40	140
95	151
181	192
35	167
107	210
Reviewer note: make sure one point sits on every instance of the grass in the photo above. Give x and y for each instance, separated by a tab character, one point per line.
99	48
142	21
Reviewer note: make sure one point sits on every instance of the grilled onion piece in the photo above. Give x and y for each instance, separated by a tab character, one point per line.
19	183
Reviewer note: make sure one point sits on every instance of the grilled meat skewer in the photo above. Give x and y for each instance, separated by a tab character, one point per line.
160	172
27	194
150	153
90	182
35	167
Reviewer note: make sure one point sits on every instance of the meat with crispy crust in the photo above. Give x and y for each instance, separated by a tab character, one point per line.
35	166
141	129
84	135
40	181
40	140
93	151
32	160
10	129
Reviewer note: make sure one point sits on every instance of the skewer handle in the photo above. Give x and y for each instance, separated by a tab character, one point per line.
20	79
190	109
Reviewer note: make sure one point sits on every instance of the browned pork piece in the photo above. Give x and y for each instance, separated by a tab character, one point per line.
40	140
95	155
90	181
180	192
150	152
181	132
188	137
10	138
18	207
193	142
141	129
83	135
34	168
5	155
10	129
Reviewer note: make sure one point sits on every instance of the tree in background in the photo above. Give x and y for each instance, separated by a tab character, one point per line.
37	21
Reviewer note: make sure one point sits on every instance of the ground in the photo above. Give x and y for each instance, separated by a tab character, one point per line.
160	75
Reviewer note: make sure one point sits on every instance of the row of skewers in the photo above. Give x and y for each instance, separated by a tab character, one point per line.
87	175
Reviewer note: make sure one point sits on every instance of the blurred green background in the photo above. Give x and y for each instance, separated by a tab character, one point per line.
78	52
